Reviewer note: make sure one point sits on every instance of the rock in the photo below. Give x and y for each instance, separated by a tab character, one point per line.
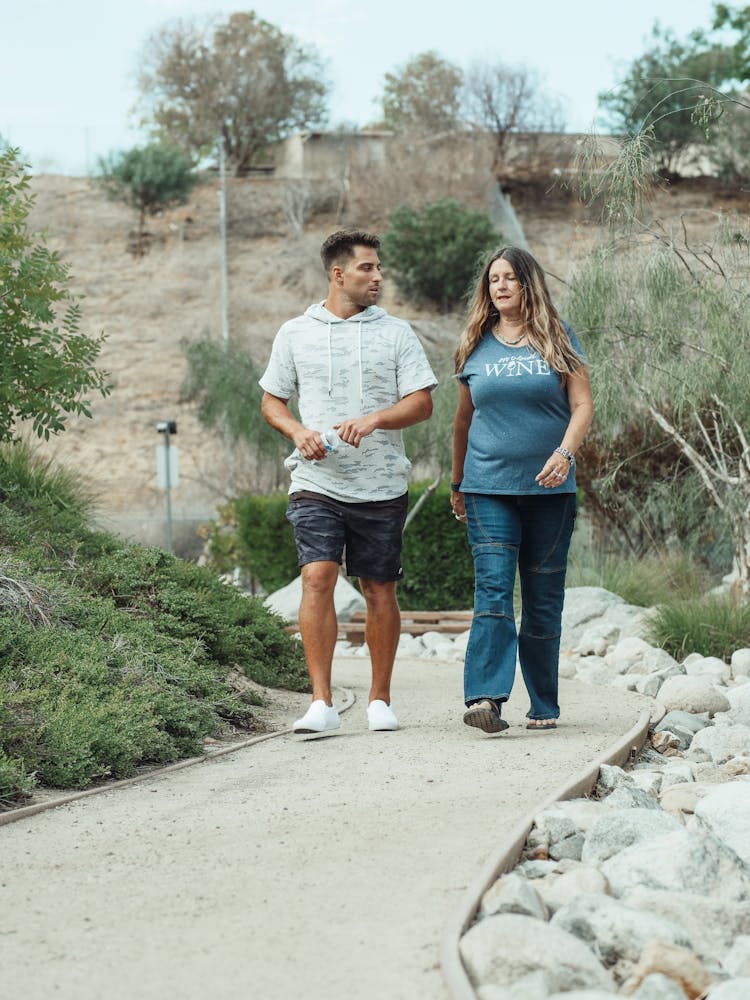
583	812
648	780
461	641
409	645
689	861
710	667
675	963
628	656
691	694
502	949
682	798
740	663
663	739
285	602
622	828
616	933
536	869
597	638
734	989
677	772
564	838
720	743
650	683
736	767
739	705
737	960
568	668
583	995
557	891
725	810
582	606
512	894
657	986
712	924
682	724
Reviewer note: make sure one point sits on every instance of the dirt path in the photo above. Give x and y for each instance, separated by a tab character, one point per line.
301	867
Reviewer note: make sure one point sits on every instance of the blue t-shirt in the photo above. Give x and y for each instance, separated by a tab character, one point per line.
521	412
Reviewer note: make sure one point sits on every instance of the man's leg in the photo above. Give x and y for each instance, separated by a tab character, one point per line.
318	625
382	631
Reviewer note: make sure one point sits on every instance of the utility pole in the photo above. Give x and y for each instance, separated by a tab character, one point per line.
229	459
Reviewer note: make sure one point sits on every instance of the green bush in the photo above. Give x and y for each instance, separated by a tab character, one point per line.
711	626
438	568
434	252
113	655
267	539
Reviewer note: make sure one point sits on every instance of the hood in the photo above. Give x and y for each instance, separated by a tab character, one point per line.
319	312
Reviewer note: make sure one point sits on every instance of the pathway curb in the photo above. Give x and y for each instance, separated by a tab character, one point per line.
347	697
509	850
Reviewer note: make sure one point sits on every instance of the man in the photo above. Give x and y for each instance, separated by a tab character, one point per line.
362	373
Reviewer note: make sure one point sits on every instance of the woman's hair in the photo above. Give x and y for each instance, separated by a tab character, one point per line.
545	331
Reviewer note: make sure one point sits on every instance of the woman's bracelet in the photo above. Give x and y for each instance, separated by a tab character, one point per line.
565	454
455	487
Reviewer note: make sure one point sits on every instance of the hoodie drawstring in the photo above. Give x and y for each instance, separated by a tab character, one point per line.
361	377
330	362
359	356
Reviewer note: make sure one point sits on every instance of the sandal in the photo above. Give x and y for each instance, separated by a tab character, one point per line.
542	724
485	715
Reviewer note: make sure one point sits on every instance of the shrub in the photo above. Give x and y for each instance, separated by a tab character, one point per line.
113	655
267	539
438	568
435	252
711	626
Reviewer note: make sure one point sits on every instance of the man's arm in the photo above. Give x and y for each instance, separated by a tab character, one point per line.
276	412
412	409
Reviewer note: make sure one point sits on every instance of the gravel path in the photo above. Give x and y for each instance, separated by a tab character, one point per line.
302	866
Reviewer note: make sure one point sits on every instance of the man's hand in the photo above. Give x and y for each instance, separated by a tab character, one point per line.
352	431
309	444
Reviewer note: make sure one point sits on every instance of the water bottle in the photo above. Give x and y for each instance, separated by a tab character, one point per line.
331	440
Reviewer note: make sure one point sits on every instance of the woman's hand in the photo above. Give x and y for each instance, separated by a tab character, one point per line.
458	506
556	470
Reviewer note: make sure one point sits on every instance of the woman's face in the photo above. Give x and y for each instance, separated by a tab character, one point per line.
505	289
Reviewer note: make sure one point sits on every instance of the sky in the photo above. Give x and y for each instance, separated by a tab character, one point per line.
68	67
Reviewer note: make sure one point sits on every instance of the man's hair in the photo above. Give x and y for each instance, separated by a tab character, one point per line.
339	247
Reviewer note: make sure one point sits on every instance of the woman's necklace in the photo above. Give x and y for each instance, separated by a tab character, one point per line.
508	343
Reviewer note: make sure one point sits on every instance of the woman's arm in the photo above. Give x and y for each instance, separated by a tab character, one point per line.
557	467
461	425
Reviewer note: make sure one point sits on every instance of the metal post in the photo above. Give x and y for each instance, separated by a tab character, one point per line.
168	481
225	301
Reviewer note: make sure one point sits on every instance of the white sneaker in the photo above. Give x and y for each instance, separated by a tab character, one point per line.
381	717
319	718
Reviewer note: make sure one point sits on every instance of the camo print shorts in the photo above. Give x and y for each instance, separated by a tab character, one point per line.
368	535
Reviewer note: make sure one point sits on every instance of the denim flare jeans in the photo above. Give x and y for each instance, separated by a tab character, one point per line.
532	532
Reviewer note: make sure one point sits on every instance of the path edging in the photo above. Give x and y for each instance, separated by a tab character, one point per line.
506	855
347	696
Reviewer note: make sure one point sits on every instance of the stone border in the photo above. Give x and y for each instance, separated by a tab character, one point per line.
348	698
509	851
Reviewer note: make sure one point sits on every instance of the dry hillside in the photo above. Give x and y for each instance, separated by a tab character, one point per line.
147	307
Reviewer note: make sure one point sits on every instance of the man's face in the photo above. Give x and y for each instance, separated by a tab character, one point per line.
360	278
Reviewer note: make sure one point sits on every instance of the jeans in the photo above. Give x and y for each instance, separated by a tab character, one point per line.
533	533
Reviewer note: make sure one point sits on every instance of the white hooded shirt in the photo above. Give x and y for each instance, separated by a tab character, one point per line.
343	368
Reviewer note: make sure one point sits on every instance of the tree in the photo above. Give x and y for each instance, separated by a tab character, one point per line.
671	85
223	383
47	368
244	81
148	179
423	97
434	251
667	334
502	99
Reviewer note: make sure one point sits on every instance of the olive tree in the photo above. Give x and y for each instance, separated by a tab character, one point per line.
242	81
48	366
423	97
148	179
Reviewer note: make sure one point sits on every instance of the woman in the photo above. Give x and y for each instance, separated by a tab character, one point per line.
524	408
